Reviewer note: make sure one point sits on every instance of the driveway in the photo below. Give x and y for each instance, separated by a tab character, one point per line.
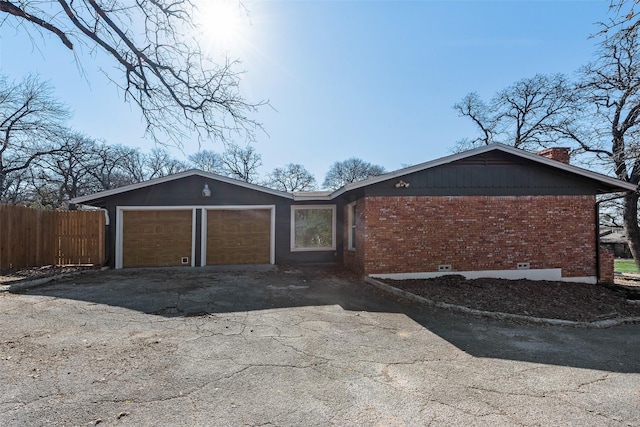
298	346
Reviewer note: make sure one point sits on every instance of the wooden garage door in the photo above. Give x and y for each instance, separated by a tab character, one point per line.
238	236
156	238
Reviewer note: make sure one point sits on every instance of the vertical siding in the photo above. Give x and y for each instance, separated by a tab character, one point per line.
31	237
80	237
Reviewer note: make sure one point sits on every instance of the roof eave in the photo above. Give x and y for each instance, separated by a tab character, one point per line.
180	175
303	198
615	185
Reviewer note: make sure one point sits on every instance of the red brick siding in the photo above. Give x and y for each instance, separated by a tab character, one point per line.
606	265
417	233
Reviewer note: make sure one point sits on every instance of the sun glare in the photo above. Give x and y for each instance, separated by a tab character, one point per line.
222	23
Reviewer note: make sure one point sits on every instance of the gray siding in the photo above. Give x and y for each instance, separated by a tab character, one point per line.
490	174
187	192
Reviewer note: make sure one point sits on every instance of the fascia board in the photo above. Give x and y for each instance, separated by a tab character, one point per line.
169	178
311	196
612	182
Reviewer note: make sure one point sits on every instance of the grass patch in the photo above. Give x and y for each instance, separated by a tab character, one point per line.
625	266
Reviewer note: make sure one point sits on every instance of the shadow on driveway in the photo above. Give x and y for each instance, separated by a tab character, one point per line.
203	291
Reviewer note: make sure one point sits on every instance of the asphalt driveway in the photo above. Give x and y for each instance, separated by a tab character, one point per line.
299	346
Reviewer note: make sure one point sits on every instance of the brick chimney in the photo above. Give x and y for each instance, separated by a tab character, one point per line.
560	154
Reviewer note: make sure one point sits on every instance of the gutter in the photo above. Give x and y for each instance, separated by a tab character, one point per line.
598	269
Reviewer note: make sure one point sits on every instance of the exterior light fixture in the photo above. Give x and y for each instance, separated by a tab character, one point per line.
206	192
402	184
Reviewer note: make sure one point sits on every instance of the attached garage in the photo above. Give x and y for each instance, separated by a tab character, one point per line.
237	236
157	238
162	236
197	219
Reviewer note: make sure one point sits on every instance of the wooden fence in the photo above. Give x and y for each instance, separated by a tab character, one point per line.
31	237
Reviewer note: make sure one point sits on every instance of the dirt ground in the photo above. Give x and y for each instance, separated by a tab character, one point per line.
552	300
7	277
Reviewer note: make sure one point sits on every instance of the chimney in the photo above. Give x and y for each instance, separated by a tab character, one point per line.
560	154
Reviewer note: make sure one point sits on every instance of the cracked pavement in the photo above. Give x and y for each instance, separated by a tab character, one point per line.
295	346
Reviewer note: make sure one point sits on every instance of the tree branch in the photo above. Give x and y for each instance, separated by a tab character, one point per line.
14	10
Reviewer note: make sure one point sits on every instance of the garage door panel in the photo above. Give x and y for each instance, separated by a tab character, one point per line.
238	236
156	238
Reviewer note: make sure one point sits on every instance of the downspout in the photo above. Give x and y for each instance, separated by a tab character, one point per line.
107	237
597	208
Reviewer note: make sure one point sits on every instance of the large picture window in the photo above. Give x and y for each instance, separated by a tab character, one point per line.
313	228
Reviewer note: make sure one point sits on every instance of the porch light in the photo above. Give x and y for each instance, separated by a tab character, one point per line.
206	192
402	184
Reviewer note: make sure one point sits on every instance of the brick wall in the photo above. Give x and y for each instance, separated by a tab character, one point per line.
417	233
606	265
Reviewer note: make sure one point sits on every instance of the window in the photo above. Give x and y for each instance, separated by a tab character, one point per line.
352	225
313	228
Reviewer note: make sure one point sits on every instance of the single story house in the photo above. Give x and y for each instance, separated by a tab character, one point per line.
615	239
494	211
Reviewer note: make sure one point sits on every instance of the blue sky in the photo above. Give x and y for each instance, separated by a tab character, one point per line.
370	79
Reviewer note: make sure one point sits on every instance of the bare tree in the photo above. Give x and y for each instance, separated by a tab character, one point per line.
291	177
110	166
525	114
120	165
154	44
623	16
133	164
81	166
350	170
598	115
31	120
480	113
159	163
66	173
241	163
610	93
611	209
17	188
208	161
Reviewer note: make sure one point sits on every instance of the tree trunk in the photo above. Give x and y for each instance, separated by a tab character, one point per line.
631	228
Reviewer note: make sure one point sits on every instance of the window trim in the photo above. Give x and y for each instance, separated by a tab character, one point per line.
351	226
295	208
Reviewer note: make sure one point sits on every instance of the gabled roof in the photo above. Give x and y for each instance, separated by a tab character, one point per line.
613	183
180	175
